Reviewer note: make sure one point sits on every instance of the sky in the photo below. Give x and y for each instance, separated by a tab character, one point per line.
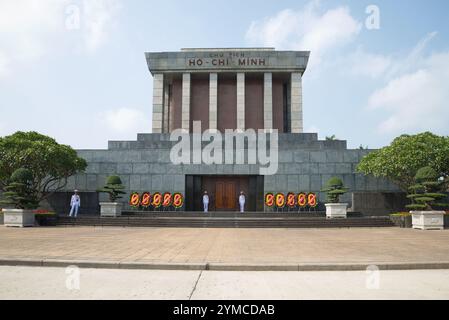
76	71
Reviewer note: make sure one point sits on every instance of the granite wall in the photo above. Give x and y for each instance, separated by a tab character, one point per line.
305	164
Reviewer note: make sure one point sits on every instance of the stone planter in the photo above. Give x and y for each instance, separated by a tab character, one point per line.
110	209
428	220
336	210
18	218
402	221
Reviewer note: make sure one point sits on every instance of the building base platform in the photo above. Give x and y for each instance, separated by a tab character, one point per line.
227	220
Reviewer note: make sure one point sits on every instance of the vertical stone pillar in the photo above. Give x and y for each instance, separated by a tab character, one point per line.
288	114
185	118
171	120
240	101
166	111
158	102
213	102
268	101
296	119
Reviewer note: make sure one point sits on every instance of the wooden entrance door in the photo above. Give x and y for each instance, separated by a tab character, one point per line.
225	194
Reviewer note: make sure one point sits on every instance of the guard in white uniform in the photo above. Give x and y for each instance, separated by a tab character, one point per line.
206	201
75	204
242	201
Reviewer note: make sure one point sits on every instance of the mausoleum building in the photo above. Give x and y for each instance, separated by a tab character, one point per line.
255	89
228	89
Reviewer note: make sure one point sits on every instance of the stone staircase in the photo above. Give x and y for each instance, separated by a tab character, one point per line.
227	220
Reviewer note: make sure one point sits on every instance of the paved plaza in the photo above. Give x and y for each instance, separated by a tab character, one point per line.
55	283
238	247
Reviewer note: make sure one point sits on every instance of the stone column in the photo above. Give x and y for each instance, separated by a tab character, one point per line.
213	102
268	101
158	102
185	101
296	119
166	111
240	101
289	110
171	113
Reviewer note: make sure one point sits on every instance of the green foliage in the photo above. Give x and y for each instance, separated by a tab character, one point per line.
334	189
400	161
331	138
19	192
114	180
22	175
113	187
50	163
426	174
401	214
424	194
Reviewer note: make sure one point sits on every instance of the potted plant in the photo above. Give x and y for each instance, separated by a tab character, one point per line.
334	189
20	195
114	188
426	196
402	219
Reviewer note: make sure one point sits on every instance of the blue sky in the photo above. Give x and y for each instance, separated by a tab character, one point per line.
75	70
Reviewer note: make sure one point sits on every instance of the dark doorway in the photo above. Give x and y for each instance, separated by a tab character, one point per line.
224	192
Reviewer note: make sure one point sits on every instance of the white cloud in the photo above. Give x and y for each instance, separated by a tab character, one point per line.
99	16
413	59
374	65
27	27
30	29
362	63
306	29
126	120
417	100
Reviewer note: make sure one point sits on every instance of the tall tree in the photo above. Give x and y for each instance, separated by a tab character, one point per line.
50	163
400	161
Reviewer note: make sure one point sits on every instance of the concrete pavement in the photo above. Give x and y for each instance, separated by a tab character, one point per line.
227	249
61	283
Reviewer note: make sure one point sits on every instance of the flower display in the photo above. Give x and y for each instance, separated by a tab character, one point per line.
134	200
269	200
178	200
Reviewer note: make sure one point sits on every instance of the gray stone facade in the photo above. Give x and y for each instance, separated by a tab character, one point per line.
165	66
305	164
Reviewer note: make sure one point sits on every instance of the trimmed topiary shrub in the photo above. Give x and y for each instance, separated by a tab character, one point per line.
426	193
334	189
20	192
114	188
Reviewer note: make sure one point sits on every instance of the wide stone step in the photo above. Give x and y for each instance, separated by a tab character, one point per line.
226	222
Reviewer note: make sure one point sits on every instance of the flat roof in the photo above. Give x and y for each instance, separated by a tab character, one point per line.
229	49
191	60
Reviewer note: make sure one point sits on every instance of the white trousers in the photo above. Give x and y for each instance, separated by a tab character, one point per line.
206	206
242	206
74	210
